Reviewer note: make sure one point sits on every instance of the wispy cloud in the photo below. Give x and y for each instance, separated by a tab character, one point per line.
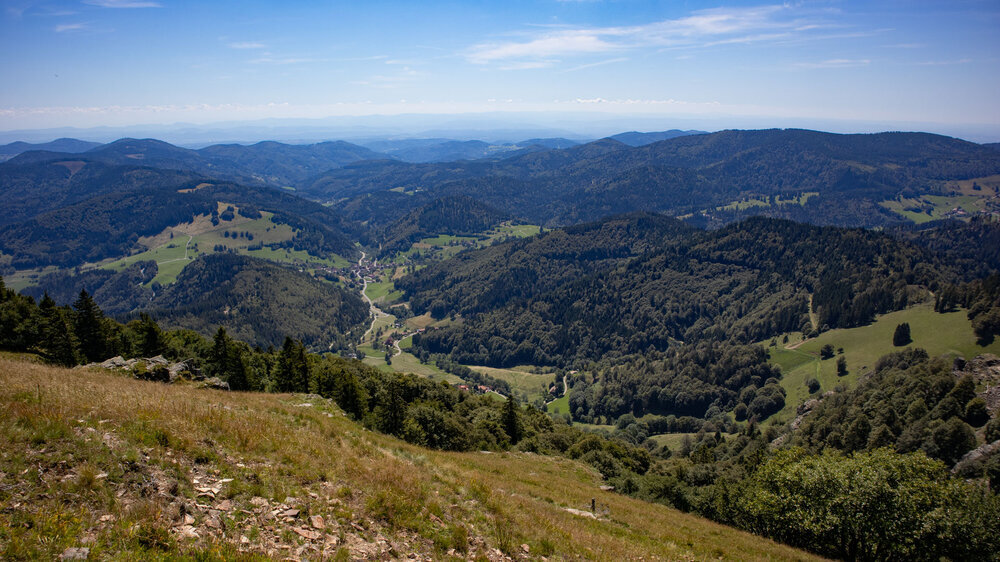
835	63
599	63
944	62
247	45
702	28
65	27
123	3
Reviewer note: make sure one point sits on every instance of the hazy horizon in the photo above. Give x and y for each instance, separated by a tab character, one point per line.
589	67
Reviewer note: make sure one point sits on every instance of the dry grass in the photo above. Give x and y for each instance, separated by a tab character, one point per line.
78	446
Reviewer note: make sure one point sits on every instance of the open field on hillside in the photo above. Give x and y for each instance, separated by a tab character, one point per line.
937	333
521	381
935	207
142	470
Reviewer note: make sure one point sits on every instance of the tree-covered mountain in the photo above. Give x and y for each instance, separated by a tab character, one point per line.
635	138
110	224
59	145
260	303
693	173
264	163
637	283
30	189
454	215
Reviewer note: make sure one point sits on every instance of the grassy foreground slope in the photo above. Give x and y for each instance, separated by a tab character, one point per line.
134	469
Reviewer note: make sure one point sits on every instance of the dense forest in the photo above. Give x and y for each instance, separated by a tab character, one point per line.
457	215
690	173
257	301
593	292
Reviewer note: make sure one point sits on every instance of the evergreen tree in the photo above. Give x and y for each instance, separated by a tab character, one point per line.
841	366
88	325
59	341
292	372
150	337
512	419
901	336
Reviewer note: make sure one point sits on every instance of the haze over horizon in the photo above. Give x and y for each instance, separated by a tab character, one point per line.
586	67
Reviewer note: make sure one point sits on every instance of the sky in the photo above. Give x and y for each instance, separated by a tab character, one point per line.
903	65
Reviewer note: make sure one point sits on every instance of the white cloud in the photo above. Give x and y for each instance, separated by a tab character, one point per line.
835	63
123	3
703	28
62	28
944	62
247	45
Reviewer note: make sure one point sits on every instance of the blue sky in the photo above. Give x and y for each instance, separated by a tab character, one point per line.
121	62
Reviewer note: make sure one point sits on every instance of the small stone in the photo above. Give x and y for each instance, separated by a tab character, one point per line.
187	532
188	519
107	518
244	539
213	522
306	533
317	522
525	548
292	513
258	501
224	505
76	553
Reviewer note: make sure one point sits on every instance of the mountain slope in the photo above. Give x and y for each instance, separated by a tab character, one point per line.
119	477
264	163
637	283
58	145
260	303
635	138
453	215
850	173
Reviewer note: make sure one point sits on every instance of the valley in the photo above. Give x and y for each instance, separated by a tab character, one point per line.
681	322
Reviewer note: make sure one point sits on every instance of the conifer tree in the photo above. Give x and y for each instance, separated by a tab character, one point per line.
512	419
88	325
59	342
292	373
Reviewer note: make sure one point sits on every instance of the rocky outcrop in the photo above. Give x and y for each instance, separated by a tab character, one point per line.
159	369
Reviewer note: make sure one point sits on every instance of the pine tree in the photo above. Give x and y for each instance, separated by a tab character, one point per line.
512	419
59	341
151	341
88	325
292	373
901	336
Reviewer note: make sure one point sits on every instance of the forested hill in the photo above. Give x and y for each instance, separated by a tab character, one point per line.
146	202
452	215
260	303
639	283
850	174
270	163
30	189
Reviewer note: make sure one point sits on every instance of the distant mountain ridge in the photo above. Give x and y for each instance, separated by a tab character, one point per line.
59	145
850	173
635	138
268	162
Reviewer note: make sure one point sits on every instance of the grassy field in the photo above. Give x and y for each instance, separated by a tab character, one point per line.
937	333
673	441
763	202
521	381
938	205
559	406
169	253
107	462
383	291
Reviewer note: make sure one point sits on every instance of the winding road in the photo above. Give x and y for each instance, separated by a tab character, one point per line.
375	311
